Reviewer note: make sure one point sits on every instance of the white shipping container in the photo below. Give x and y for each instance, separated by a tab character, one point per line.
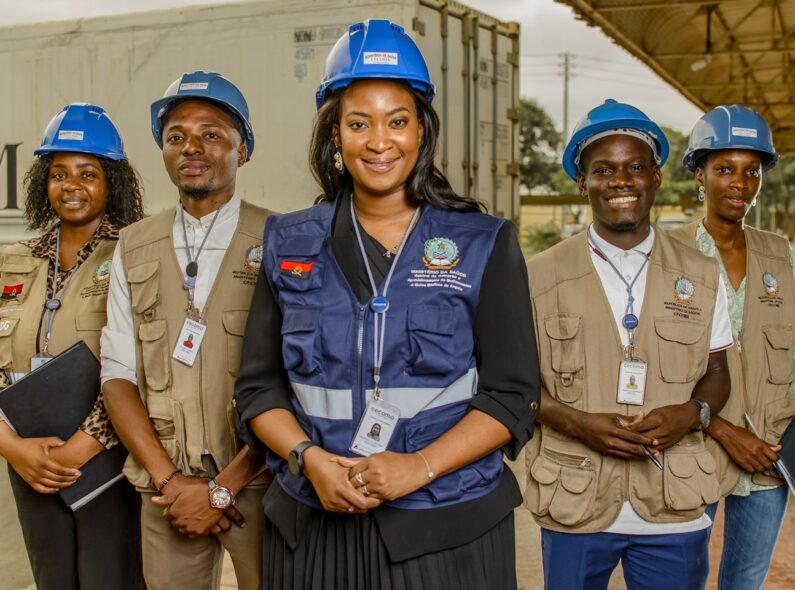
275	52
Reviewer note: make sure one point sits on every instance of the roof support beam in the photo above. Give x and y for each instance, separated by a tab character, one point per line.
650	5
719	52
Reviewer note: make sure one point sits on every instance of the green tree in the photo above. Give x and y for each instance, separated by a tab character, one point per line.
539	148
677	182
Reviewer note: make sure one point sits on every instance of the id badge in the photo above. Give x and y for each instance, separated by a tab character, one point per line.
375	428
632	382
188	342
37	360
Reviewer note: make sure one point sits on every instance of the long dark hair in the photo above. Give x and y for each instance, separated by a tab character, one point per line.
125	202
426	185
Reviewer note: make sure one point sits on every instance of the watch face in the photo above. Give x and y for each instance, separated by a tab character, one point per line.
221	498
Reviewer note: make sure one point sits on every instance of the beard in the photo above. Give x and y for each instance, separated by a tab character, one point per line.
623	226
198	192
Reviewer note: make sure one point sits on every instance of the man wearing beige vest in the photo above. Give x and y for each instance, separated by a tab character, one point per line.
632	330
181	286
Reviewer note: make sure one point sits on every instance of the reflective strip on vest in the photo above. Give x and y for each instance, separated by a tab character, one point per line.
336	404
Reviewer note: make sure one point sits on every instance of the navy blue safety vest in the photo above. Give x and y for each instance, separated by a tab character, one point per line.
429	369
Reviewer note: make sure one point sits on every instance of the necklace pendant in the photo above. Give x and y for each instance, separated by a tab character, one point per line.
192	269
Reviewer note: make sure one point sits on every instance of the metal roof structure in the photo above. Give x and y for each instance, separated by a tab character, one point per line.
713	52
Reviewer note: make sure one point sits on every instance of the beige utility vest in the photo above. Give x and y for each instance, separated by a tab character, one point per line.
82	314
190	407
762	365
570	487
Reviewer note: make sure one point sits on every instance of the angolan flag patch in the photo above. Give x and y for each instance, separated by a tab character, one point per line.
11	291
297	270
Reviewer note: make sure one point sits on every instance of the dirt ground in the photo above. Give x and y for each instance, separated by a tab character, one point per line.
15	571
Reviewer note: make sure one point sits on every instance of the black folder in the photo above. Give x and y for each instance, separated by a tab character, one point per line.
787	453
54	400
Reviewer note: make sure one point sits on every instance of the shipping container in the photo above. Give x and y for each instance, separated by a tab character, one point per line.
275	52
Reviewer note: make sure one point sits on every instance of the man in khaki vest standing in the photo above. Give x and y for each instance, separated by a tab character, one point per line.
632	330
181	286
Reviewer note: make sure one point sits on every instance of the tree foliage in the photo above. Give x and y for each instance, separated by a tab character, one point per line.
539	146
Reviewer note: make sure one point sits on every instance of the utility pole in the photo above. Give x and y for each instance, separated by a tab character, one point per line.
566	65
566	73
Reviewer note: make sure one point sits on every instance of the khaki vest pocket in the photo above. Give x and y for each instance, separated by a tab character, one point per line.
7	327
154	350
566	486
17	274
678	346
689	479
566	355
778	351
166	416
778	415
235	326
143	285
89	327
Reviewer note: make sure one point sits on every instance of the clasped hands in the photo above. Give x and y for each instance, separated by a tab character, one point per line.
356	485
186	503
624	436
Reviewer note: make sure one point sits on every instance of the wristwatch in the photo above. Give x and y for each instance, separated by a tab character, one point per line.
220	497
295	460
704	413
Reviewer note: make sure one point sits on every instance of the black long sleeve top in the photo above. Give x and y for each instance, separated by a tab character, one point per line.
508	385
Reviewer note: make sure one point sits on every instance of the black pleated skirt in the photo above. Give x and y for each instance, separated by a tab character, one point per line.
345	552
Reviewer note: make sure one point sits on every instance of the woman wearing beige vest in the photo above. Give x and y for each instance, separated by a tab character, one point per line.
730	149
81	190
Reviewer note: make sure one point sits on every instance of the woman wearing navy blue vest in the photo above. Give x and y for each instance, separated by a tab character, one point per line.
407	364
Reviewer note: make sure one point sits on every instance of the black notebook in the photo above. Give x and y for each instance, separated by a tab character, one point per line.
54	400
787	454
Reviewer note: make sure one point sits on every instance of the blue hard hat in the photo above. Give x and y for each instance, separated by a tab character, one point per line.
374	49
612	115
84	128
731	127
205	86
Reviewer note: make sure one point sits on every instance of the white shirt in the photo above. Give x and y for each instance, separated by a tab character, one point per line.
117	344
628	263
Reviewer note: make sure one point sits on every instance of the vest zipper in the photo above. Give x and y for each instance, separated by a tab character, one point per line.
359	393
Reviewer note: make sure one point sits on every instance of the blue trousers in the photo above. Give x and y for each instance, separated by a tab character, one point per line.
650	562
750	531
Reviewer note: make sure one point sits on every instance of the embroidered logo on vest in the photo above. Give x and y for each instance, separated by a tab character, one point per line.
102	274
684	290
253	260
771	284
440	254
11	291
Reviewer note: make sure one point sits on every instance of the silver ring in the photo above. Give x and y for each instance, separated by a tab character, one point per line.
365	491
350	508
358	477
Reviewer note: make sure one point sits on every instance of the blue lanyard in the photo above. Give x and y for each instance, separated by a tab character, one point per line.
379	303
630	320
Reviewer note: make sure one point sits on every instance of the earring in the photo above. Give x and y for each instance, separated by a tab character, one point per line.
702	194
753	202
338	162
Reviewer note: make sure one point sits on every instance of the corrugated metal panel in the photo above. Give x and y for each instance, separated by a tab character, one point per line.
732	51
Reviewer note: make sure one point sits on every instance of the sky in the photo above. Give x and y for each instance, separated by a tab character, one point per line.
548	30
